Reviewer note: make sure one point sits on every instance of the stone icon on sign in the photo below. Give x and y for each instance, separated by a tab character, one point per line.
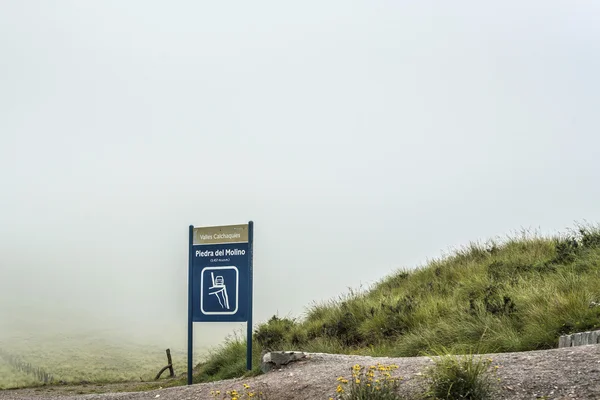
219	290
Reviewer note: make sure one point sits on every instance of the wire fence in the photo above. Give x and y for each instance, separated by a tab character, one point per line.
20	365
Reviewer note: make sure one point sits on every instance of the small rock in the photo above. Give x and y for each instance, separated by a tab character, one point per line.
277	359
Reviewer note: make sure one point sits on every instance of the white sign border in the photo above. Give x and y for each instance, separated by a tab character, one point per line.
237	290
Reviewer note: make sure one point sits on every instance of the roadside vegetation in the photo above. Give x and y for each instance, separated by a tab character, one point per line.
518	294
466	376
451	377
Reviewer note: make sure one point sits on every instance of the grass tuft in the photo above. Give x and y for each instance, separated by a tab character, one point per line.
464	376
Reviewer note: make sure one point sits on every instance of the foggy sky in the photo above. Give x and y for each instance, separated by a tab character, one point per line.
360	137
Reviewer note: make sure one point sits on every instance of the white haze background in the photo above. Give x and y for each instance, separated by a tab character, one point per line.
360	136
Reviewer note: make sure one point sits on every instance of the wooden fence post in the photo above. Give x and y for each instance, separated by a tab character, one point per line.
169	366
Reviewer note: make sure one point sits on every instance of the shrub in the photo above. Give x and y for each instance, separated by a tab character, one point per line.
566	250
590	237
274	332
460	377
344	328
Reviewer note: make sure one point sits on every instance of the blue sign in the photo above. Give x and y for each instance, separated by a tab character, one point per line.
220	275
220	280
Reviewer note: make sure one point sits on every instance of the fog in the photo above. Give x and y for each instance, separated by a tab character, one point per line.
360	137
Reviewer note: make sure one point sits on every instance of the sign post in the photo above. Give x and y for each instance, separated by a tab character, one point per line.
220	279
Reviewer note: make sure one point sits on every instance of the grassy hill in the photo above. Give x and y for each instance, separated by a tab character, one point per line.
516	295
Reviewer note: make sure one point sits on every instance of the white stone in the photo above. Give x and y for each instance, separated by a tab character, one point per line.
278	358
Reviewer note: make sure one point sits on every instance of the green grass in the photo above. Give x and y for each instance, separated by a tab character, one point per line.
466	376
11	378
227	361
516	295
85	358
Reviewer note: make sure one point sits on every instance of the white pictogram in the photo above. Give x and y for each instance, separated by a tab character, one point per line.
223	282
220	290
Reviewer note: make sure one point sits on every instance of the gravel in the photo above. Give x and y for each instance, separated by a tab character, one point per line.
565	373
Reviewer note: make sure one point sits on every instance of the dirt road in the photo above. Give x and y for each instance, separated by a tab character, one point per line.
566	373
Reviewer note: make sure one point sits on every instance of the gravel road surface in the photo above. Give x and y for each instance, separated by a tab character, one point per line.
566	373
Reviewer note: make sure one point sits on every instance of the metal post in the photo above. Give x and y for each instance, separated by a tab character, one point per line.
190	306
250	295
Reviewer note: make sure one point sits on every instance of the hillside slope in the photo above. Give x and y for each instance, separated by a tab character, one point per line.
517	295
